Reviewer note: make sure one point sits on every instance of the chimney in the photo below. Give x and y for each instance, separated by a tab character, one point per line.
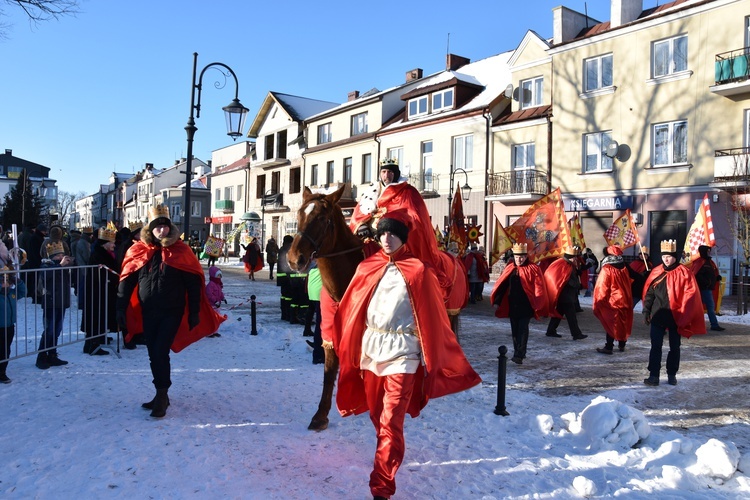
149	166
624	11
352	95
9	152
453	62
568	23
413	74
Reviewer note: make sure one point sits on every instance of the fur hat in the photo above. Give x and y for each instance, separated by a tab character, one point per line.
392	165
158	215
396	223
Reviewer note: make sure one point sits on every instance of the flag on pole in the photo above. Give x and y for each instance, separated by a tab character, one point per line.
439	238
702	230
457	230
501	242
576	233
622	232
543	227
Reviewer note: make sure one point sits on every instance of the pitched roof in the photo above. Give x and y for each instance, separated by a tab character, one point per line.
523	115
298	108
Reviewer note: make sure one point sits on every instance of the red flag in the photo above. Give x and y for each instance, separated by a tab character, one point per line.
622	232
457	228
543	227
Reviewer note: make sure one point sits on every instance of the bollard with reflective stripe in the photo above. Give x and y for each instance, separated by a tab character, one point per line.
502	363
253	330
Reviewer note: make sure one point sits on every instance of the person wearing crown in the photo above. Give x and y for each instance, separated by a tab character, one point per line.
612	300
395	346
519	294
54	285
161	294
562	280
99	315
671	304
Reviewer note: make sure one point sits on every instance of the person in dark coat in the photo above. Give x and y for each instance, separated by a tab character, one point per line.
283	279
54	292
252	258
99	316
272	255
34	256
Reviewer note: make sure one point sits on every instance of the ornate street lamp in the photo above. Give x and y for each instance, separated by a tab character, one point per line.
235	114
465	190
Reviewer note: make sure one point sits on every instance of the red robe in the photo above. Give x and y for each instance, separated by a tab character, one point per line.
532	281
445	370
684	299
613	301
556	278
179	256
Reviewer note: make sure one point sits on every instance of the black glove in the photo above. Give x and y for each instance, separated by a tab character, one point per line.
193	320
121	319
364	232
647	319
225	301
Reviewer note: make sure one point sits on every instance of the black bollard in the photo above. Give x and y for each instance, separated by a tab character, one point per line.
502	363
253	331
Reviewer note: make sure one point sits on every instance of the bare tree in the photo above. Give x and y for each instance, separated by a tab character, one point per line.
40	10
739	201
66	203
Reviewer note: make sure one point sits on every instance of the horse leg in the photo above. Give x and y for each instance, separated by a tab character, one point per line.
319	421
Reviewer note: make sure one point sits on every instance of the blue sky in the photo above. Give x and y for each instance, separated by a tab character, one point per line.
109	89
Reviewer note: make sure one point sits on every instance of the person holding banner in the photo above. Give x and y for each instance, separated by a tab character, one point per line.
707	275
613	300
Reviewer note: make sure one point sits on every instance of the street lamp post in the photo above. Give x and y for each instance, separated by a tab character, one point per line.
270	192
465	190
234	112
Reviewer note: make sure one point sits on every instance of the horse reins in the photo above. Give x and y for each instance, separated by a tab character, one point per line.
316	244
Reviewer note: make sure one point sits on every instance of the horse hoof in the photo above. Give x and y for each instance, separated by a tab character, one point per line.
316	425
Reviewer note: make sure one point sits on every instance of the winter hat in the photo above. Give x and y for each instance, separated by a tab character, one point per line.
703	250
392	165
159	216
56	233
614	250
396	223
214	272
42	228
288	239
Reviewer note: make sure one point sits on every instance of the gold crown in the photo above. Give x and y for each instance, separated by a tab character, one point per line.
158	211
135	225
108	233
388	162
574	250
55	247
87	230
519	248
669	246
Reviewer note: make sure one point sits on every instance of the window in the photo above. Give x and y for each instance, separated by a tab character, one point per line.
418	107
239	192
359	124
276	182
295	176
348	170
597	73
268	143
594	146
426	156
463	152
531	91
176	208
523	156
217	194
324	133
314	175
260	186
366	168
195	208
281	144
670	56
442	100
397	154
670	143
329	172
228	194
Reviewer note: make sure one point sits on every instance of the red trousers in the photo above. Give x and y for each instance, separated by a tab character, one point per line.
388	399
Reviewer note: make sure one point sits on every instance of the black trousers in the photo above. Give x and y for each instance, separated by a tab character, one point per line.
160	329
568	310
6	340
657	341
519	328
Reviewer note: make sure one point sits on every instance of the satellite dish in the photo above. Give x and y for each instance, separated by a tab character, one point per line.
509	91
612	149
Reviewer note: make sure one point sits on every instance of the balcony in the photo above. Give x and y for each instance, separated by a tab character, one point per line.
732	73
273	202
427	184
224	206
272	163
517	185
732	169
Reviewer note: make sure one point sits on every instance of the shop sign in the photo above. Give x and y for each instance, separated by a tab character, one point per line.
598	203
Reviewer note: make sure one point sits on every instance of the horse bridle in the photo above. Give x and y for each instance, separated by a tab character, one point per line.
316	243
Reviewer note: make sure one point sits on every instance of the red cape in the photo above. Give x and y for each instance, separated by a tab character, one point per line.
613	302
179	256
684	299
555	279
459	294
532	281
446	369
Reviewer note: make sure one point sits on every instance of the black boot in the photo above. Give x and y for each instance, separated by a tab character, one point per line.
41	361
161	401
53	360
150	404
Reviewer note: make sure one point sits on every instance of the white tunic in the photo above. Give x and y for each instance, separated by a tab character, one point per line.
390	344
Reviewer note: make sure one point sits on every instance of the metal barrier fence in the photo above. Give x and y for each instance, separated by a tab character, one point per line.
53	301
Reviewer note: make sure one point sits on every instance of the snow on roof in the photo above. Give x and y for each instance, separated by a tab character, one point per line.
302	107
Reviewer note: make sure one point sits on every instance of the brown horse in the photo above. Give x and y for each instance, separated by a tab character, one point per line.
324	235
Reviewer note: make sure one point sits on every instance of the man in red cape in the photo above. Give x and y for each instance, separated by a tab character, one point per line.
563	283
395	345
671	303
519	294
613	300
162	294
